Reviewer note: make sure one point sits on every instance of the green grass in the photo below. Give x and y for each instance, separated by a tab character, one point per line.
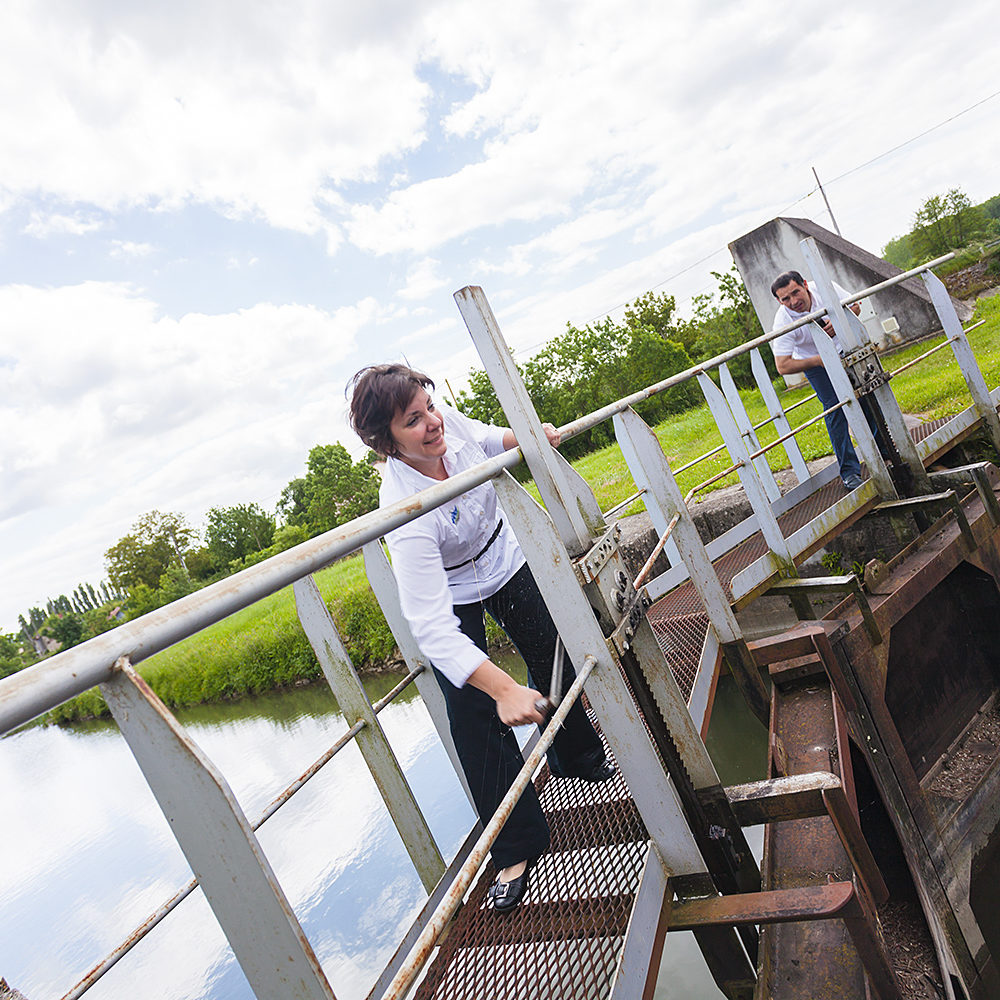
263	647
932	388
259	648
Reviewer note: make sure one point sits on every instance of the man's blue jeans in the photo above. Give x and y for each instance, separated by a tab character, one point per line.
836	423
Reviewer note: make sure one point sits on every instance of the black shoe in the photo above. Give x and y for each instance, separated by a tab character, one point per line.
591	770
506	895
602	771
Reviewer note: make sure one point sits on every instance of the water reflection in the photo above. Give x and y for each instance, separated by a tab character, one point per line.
86	854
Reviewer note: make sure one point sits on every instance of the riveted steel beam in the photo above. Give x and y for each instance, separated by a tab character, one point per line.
574	618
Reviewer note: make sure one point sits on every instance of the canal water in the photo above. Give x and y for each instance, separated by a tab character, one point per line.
86	855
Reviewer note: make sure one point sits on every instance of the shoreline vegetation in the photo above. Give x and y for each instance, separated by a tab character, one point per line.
263	648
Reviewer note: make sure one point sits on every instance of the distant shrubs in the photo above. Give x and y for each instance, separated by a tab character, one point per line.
363	628
260	648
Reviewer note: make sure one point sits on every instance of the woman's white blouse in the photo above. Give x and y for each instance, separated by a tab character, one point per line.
447	536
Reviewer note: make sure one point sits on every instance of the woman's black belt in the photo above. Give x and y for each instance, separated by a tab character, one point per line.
482	551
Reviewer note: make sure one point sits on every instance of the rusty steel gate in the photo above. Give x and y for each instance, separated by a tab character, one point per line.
661	848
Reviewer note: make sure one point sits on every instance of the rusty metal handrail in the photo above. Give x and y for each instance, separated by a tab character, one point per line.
795	430
114	957
611	511
42	686
421	951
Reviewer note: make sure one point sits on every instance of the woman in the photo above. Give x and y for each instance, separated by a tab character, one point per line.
452	565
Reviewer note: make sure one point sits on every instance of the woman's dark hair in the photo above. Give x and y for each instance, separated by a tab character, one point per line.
379	393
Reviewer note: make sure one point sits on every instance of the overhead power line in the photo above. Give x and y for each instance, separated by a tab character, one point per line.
812	191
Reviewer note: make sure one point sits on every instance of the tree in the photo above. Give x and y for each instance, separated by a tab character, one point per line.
481	402
899	252
66	629
236	532
335	490
946	222
583	369
292	505
930	234
143	555
656	313
720	325
12	658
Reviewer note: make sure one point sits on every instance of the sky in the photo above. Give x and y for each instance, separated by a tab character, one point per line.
212	214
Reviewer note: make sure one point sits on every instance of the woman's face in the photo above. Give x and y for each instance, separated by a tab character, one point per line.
418	433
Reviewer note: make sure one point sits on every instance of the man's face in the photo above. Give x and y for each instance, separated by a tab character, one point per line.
795	297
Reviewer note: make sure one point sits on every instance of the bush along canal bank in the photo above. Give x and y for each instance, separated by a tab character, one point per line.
263	648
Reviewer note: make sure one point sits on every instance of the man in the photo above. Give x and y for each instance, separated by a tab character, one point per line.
797	352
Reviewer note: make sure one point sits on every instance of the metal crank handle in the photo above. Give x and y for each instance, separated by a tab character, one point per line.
544	707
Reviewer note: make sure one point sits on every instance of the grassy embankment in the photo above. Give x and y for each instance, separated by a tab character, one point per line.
263	647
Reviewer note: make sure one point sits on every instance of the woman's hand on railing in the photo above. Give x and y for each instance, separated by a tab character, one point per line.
551	433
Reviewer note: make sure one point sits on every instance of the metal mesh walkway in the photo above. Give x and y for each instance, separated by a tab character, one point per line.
679	620
564	939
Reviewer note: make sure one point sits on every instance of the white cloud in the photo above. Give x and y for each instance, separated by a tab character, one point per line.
130	249
422	280
42	225
112	410
255	109
568	157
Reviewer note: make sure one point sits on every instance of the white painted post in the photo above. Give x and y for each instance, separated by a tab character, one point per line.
864	439
340	674
576	514
219	844
646	459
759	501
774	408
651	787
747	432
978	389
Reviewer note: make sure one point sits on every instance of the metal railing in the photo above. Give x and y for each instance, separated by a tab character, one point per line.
162	747
169	905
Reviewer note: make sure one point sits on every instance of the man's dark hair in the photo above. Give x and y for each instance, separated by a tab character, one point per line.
379	393
786	278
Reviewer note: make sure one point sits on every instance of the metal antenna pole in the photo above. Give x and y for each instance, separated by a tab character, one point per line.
827	200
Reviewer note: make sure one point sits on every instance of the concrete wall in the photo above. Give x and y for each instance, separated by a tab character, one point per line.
763	254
